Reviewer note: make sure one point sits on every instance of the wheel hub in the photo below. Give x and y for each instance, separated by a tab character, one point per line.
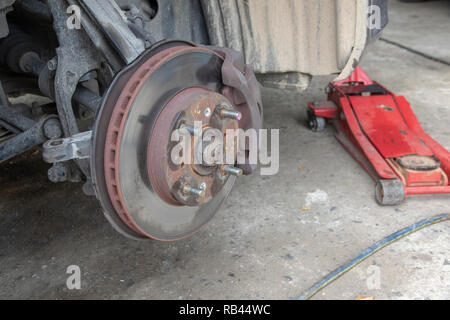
193	113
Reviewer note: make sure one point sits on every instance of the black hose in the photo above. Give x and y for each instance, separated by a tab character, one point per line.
370	251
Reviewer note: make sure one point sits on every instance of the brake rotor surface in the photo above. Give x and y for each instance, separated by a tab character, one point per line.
125	167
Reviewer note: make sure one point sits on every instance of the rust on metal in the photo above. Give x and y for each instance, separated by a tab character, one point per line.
191	105
116	126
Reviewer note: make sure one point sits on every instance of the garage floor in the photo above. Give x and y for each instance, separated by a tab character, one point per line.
261	245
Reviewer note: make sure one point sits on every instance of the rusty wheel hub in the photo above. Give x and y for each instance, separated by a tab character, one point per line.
181	176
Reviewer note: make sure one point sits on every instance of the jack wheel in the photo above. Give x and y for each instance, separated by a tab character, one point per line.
390	192
316	124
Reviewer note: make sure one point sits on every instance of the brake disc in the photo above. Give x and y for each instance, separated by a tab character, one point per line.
140	188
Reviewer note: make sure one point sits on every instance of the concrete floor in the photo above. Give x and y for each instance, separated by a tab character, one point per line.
261	245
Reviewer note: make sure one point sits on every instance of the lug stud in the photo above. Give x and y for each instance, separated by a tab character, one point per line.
233	171
230	114
193	191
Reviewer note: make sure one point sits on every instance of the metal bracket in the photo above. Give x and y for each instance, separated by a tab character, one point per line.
77	147
113	22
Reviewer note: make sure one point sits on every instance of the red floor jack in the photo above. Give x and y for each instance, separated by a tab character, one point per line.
382	133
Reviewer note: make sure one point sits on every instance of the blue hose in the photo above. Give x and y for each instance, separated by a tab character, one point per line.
370	251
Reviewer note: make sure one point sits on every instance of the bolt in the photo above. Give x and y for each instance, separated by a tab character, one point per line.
56	142
52	64
207	112
52	129
203	186
233	171
193	191
58	173
230	114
